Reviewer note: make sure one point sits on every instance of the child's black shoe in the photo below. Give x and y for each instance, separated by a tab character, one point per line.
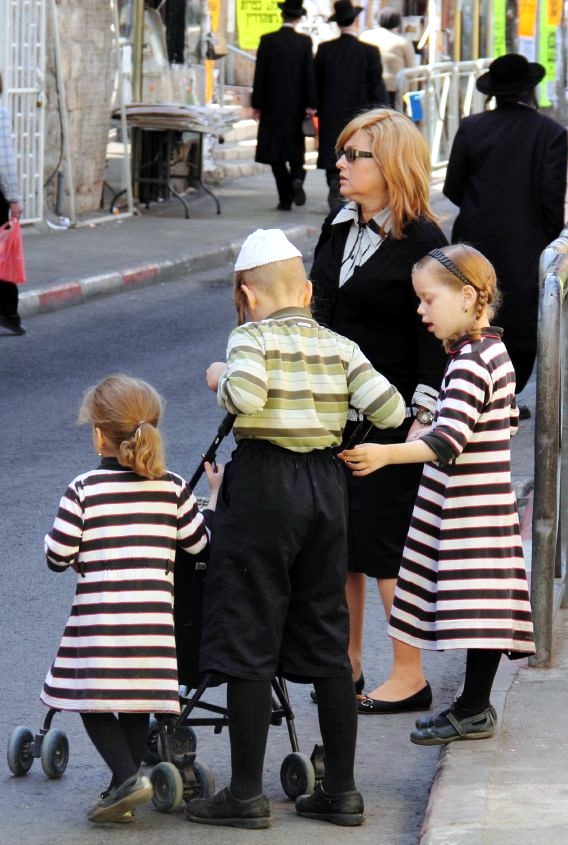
344	808
223	809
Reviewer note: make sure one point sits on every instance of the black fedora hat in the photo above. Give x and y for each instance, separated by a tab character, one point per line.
292	8
345	12
510	74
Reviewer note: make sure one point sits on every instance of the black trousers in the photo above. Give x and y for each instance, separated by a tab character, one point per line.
8	290
284	174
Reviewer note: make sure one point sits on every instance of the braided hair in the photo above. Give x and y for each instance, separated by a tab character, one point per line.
462	264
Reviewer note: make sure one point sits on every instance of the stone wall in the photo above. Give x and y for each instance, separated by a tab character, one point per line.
87	61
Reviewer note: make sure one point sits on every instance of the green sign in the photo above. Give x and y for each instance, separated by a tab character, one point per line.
255	18
499	28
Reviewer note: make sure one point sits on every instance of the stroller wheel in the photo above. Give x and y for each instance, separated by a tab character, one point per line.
205	780
153	756
183	742
20	757
54	753
168	787
297	775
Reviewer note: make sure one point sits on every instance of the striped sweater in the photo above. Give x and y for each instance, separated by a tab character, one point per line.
291	381
120	531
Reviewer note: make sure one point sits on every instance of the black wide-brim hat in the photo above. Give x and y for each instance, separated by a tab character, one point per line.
510	74
345	12
293	8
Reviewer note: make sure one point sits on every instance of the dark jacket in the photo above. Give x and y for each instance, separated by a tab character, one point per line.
377	306
507	174
349	79
283	87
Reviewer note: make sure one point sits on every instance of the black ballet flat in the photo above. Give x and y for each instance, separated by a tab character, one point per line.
421	700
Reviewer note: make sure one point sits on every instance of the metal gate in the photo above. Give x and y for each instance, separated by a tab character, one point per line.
22	63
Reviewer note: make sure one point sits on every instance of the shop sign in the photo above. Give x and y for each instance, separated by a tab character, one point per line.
255	18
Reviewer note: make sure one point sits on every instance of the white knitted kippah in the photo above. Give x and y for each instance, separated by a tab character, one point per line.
264	247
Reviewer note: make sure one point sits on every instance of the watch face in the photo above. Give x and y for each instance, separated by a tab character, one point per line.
425	417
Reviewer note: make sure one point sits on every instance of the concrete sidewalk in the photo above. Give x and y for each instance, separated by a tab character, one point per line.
510	790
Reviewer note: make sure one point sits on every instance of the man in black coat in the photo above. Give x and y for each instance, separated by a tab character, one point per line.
283	93
349	79
507	174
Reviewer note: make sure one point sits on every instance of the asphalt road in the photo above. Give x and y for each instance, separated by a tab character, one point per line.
167	334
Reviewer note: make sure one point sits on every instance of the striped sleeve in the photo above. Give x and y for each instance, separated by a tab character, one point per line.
371	393
467	387
62	543
243	387
8	174
192	532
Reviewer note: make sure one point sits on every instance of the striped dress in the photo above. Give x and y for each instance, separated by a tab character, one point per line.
463	583
120	531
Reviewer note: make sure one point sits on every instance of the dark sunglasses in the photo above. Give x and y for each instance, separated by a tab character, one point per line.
351	154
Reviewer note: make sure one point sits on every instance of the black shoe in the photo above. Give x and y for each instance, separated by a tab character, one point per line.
345	808
298	193
284	206
433	721
447	727
13	324
421	700
223	809
524	412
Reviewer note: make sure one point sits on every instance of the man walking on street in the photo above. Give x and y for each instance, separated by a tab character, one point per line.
283	93
396	51
349	79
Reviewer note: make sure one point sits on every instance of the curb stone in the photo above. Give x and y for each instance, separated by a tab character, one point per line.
77	292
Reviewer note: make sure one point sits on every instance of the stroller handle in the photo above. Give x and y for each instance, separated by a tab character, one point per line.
209	456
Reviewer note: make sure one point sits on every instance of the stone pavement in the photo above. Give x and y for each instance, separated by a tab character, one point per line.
510	790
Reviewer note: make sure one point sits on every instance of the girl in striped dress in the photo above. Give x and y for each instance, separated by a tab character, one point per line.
463	581
118	526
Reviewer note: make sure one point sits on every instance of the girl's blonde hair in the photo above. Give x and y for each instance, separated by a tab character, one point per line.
403	155
127	410
461	264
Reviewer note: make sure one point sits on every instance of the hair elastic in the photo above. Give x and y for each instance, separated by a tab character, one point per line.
137	433
450	265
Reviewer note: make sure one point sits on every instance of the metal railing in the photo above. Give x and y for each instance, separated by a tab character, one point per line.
446	93
548	587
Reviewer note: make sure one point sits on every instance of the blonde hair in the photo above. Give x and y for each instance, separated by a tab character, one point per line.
127	410
402	154
466	265
277	279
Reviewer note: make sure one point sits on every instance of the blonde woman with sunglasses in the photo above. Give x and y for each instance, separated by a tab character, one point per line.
363	290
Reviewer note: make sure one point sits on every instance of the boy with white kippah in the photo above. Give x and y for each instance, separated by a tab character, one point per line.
275	592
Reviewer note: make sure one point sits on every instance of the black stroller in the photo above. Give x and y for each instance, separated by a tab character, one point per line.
177	774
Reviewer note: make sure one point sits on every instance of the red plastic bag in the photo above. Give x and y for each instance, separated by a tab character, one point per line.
12	267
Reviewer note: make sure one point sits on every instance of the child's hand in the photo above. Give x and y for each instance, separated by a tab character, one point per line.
365	458
214	473
214	373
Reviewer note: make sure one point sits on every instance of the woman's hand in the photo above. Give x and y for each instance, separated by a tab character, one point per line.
214	373
365	458
16	210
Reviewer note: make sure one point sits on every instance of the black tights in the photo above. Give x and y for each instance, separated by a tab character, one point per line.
481	668
249	705
120	740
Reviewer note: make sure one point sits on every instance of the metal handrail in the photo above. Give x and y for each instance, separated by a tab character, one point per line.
551	457
448	93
